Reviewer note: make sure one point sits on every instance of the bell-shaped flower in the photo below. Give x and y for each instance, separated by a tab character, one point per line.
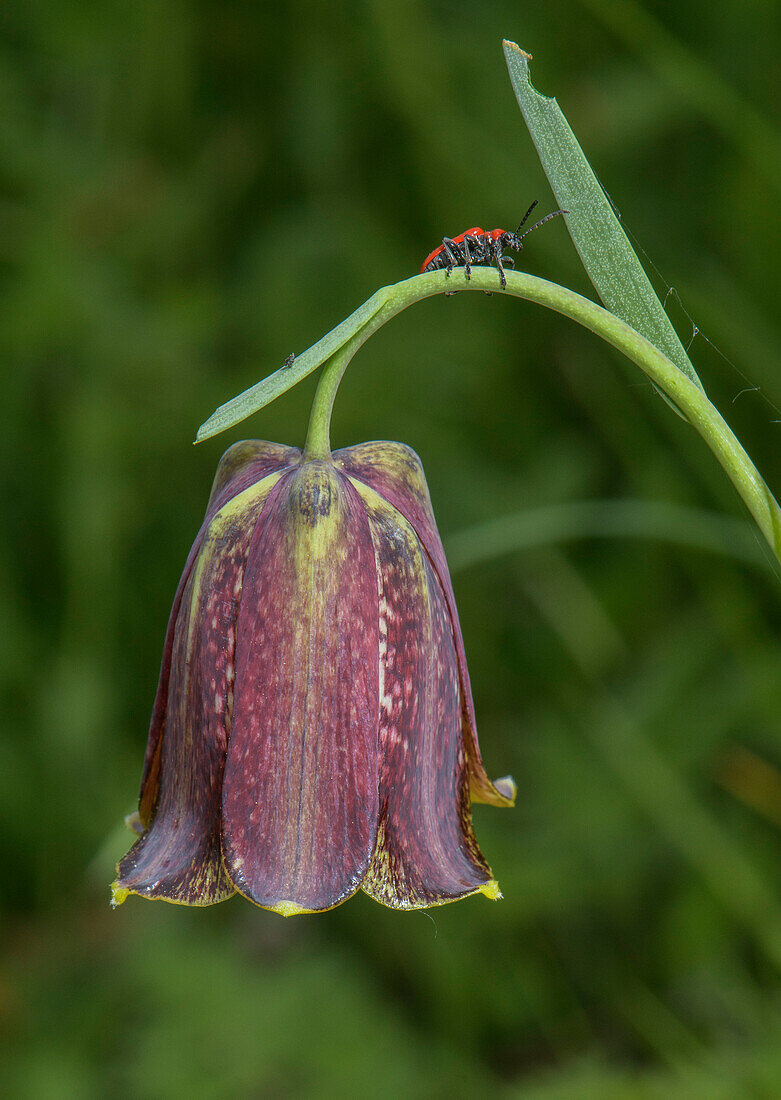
313	732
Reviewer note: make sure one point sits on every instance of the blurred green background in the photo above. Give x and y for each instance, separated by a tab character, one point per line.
191	191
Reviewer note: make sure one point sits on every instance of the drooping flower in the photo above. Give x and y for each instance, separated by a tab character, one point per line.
313	732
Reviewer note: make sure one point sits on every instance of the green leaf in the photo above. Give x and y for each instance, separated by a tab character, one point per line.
291	373
552	524
609	259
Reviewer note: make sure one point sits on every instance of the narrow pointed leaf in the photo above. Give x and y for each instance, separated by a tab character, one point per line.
282	380
609	259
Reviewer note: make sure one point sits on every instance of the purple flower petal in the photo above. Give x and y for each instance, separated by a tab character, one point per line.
395	472
426	850
242	465
178	857
342	752
300	784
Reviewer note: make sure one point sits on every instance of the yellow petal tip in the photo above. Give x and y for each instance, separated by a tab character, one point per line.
118	894
501	792
507	787
289	909
133	822
491	890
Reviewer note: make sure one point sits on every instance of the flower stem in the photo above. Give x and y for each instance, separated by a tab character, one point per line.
685	394
337	348
318	435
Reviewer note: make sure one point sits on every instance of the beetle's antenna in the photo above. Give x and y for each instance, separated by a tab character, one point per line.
525	217
542	221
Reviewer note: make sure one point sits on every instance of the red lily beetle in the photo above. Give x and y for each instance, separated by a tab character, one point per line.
478	247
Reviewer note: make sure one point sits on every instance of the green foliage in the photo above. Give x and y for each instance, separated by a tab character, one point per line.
609	259
174	174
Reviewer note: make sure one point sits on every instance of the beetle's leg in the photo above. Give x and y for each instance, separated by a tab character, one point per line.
495	253
452	259
507	261
468	255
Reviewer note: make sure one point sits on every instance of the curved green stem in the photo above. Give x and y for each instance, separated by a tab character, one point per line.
685	394
318	444
340	345
318	435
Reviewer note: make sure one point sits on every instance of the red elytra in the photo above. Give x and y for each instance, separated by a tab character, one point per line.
477	247
475	231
